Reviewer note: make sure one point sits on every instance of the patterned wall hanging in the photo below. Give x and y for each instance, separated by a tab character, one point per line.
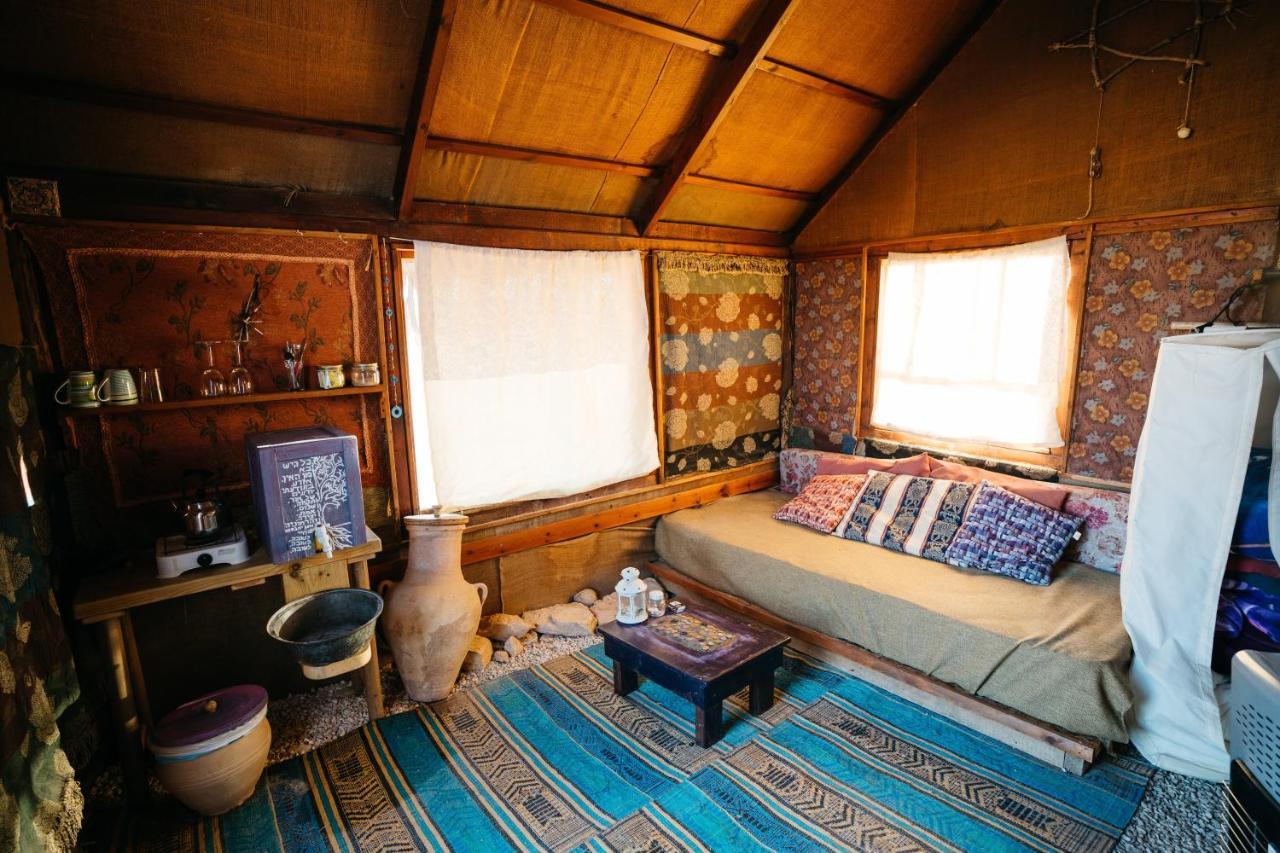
828	319
722	342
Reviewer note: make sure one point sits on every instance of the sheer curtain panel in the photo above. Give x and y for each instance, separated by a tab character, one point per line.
528	372
969	345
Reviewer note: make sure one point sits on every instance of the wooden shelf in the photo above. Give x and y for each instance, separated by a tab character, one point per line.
226	400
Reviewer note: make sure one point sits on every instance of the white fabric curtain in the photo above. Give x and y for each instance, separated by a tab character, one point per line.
528	373
969	345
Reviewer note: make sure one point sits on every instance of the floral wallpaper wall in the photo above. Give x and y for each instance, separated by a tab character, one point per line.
1140	283
828	311
723	321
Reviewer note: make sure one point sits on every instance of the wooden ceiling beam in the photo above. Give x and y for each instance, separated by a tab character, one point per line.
759	39
842	177
639	24
824	84
66	90
435	44
744	187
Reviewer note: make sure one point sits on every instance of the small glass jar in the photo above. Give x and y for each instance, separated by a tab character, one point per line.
365	374
330	376
631	597
657	603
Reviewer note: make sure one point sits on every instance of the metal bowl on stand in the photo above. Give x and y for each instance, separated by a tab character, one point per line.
328	632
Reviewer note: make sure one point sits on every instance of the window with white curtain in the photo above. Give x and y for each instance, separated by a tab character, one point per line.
528	373
969	345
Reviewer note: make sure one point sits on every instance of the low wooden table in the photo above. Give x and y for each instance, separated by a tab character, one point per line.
106	600
704	654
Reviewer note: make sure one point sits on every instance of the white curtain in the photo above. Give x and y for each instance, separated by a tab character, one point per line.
969	344
528	372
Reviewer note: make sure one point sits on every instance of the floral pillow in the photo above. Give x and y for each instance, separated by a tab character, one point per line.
1010	535
796	467
824	501
1105	516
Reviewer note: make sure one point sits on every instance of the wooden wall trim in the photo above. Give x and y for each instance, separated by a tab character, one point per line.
1241	212
478	548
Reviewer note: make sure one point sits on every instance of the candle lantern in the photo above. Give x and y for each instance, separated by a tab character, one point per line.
631	597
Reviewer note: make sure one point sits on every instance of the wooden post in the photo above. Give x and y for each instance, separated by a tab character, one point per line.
372	671
125	709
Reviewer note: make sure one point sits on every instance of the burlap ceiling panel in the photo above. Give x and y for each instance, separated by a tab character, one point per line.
328	60
471	179
725	20
711	206
781	134
878	46
100	139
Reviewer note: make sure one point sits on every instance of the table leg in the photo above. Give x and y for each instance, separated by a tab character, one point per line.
625	679
125	710
710	724
372	672
762	693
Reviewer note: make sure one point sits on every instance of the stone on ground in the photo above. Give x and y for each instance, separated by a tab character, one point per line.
586	596
606	609
563	620
479	653
513	647
500	626
501	656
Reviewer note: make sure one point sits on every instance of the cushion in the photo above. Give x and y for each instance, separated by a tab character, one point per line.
796	467
915	515
1047	494
1007	534
824	502
916	466
1105	516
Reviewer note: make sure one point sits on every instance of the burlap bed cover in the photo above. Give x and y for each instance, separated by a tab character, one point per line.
1057	653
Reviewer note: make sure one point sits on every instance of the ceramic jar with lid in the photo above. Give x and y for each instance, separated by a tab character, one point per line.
210	752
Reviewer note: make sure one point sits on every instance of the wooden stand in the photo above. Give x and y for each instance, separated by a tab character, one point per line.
107	600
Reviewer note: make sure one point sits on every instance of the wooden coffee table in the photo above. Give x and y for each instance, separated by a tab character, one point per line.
704	654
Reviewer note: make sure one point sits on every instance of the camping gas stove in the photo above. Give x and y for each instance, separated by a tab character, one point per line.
178	553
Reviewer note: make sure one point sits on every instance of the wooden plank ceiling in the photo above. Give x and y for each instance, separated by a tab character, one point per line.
728	118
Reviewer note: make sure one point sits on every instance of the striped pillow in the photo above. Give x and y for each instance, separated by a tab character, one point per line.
915	515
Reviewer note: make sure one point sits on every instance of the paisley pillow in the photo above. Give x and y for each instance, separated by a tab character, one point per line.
823	502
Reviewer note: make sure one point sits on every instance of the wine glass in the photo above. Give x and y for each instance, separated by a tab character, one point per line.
212	384
239	382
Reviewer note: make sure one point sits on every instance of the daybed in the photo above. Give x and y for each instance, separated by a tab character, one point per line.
1059	653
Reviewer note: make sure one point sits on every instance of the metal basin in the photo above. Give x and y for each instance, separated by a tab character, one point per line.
326	627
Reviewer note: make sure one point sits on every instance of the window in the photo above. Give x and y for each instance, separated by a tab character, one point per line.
527	373
969	345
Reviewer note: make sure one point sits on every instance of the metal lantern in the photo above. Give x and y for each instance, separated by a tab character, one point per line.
631	597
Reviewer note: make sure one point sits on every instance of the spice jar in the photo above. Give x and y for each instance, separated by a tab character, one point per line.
330	376
365	374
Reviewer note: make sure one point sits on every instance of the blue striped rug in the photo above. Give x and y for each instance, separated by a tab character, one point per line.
550	758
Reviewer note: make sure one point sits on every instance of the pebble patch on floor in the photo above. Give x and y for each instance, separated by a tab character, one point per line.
1178	813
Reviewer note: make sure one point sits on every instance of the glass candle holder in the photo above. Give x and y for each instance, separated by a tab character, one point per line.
657	603
631	597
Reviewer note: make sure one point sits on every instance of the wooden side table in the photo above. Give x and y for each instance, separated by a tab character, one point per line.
106	601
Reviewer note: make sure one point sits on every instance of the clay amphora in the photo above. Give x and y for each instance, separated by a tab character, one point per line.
432	614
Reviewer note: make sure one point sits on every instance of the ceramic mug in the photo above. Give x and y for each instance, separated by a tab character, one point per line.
119	388
82	390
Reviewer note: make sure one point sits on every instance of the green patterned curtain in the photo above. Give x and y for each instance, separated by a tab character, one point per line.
40	801
722	327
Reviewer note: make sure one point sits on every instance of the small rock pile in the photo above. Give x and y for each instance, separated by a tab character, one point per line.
503	637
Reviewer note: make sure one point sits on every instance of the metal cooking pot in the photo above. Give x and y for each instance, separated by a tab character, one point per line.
203	515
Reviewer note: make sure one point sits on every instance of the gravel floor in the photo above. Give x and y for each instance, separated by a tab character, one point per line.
1178	813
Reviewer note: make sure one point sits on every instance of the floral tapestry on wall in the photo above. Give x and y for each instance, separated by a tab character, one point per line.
722	332
828	309
1139	284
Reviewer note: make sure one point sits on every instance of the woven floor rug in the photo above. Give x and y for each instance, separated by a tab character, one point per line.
550	758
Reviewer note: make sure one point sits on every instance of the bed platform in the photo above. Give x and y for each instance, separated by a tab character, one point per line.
1043	669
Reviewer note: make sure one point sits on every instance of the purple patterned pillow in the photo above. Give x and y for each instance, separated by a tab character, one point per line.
1009	535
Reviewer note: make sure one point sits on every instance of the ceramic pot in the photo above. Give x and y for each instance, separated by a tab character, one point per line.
432	615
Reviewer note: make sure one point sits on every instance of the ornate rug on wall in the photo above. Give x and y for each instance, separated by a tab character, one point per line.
550	759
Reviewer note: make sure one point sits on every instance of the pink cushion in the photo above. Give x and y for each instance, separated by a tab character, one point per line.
822	503
1046	494
1103	533
913	466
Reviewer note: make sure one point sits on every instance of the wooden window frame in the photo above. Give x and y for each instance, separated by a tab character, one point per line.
404	462
1079	244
